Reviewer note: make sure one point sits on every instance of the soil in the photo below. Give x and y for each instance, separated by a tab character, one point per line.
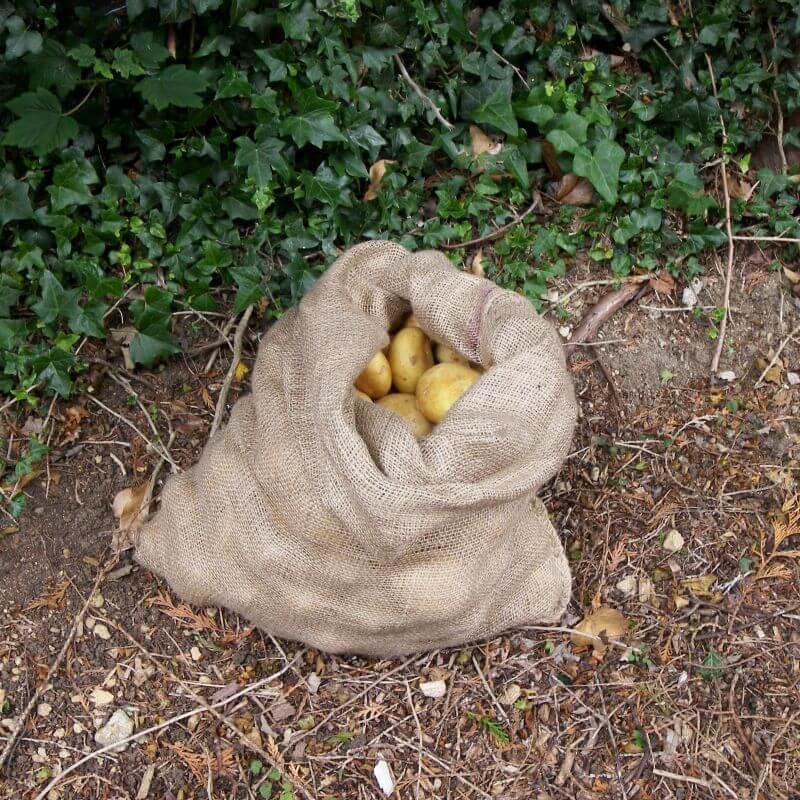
702	702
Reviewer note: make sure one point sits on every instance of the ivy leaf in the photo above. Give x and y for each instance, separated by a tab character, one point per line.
314	123
533	111
276	67
574	125
496	110
151	53
601	168
55	301
151	316
173	86
261	158
297	22
41	126
54	369
562	141
14	200
326	187
71	182
51	68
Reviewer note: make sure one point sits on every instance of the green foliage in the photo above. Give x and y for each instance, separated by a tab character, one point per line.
148	180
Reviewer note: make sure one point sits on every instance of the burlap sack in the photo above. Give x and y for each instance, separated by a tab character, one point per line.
321	518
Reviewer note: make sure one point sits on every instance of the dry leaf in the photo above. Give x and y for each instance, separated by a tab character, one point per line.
52	598
476	267
773	374
241	371
701	585
481	143
551	159
376	173
740	189
574	191
130	507
662	282
22	481
794	277
606	621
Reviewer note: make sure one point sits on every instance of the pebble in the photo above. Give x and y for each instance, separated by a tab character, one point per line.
44	709
195	653
100	697
97	600
673	541
118	728
793	378
728	375
78	728
627	586
313	681
384	777
511	694
433	688
101	631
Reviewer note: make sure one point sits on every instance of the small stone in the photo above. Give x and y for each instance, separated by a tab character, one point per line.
729	375
565	331
101	631
628	586
100	697
195	653
78	728
44	709
793	378
118	728
511	694
673	541
384	777
433	688
59	733
281	709
97	600
689	297
313	681
645	589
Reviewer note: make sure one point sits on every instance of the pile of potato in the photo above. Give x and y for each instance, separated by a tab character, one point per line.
424	386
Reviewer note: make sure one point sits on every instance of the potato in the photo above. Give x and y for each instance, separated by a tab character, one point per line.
410	355
441	386
446	355
376	379
361	395
411	322
406	406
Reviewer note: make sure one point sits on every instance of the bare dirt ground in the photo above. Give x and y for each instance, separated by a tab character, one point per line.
699	696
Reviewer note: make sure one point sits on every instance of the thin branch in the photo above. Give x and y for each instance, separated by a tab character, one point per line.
674	776
786	239
777	101
80	105
778	352
723	326
237	354
494	235
425	99
12	739
155	728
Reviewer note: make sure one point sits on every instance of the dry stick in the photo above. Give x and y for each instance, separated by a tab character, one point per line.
604	282
200	700
674	776
494	235
489	691
154	728
723	326
419	735
768	760
12	739
778	352
213	357
425	99
786	239
237	354
777	101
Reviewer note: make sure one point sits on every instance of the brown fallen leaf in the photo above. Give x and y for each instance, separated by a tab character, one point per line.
130	507
574	191
701	585
22	481
794	277
551	159
662	282
51	598
739	188
606	621
481	143
376	173
774	373
476	268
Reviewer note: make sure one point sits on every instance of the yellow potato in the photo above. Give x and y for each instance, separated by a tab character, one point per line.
406	406
446	355
363	396
410	355
441	386
376	379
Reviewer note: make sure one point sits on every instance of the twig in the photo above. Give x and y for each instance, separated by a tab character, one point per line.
777	101
513	66
237	354
79	106
723	326
425	99
674	776
500	709
12	739
768	760
494	235
604	282
786	239
154	447
750	751
777	355
224	339
419	736
154	728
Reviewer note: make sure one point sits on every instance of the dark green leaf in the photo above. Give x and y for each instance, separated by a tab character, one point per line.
497	111
71	182
41	126
173	86
601	168
261	158
14	201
